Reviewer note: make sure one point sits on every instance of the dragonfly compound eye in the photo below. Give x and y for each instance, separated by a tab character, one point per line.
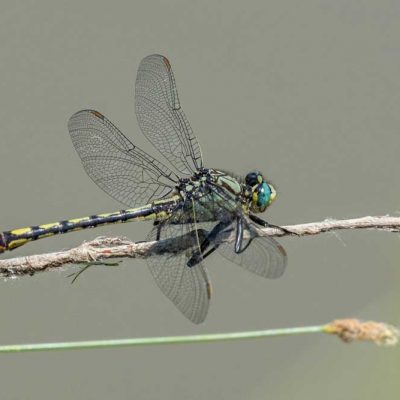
263	195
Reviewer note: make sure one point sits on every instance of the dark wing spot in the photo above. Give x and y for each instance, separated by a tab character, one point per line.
167	63
98	115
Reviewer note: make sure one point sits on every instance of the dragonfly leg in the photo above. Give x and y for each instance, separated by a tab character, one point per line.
200	254
239	236
205	255
158	225
266	224
212	235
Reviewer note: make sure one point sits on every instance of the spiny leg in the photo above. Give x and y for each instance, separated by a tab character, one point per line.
213	234
266	224
200	254
239	236
158	225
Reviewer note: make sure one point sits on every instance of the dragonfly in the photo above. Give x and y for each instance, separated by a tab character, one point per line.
183	198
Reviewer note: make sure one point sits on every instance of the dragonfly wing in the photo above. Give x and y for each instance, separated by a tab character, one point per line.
161	117
117	166
263	256
188	288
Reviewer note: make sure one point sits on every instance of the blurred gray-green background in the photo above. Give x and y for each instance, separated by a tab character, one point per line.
308	92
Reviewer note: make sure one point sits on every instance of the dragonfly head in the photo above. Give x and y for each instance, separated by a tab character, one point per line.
261	193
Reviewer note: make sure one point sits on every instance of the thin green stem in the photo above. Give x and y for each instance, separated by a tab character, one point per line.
216	337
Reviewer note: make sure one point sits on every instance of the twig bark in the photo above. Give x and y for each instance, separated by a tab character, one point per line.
105	248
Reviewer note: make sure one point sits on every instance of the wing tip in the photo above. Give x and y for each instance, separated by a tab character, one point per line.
97	114
78	114
87	111
167	63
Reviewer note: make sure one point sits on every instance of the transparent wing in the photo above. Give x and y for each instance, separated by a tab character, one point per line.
263	256
161	117
121	169
188	288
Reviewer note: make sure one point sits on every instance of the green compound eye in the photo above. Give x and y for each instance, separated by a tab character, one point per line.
263	194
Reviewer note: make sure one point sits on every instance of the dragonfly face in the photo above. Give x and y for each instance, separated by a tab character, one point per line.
262	193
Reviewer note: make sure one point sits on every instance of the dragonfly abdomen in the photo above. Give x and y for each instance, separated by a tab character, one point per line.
10	240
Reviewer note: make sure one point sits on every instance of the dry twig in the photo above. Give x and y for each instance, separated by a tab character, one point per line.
104	248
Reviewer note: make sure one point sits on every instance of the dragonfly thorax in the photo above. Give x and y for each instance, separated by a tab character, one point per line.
204	181
196	186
